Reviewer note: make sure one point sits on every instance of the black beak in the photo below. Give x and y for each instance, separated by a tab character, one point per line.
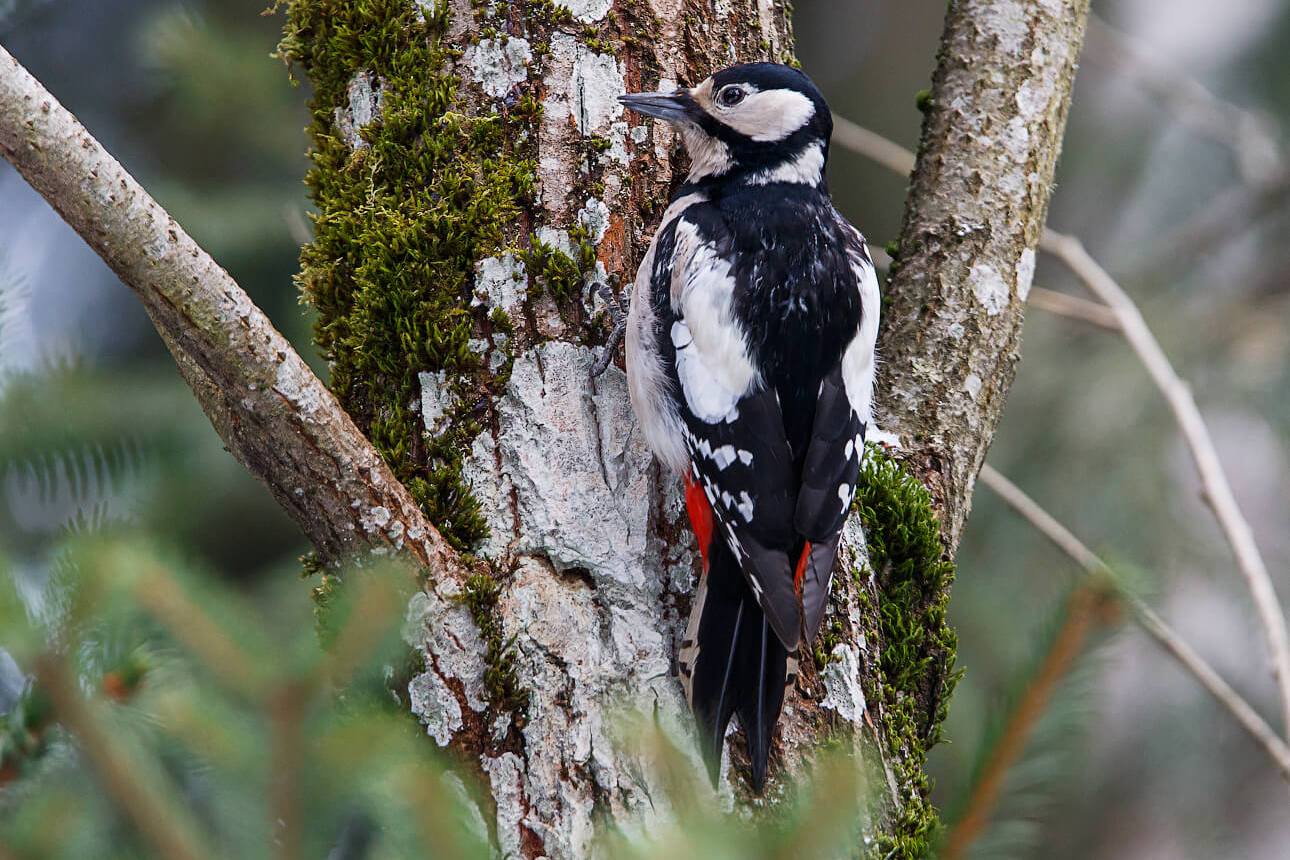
673	107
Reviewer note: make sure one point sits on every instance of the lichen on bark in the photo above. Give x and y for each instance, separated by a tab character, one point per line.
413	192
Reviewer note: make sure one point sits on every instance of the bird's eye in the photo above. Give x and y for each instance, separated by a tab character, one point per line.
730	96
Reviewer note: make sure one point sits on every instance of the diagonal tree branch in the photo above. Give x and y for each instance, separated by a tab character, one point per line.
271	410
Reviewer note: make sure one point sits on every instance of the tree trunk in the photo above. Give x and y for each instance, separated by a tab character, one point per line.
977	206
482	197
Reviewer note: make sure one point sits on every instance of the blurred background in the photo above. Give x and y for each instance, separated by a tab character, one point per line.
1185	202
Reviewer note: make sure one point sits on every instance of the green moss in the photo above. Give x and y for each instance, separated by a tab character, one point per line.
923	101
402	222
501	683
916	662
324	595
560	274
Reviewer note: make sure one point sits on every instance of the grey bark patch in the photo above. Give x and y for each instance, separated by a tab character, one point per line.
365	101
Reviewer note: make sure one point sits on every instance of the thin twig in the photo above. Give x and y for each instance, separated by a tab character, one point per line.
286	711
1072	307
872	145
1251	135
1218	492
1084	611
168	828
1152	623
1229	213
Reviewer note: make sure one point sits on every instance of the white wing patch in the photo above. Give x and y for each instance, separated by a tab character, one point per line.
724	456
712	360
707	398
745	506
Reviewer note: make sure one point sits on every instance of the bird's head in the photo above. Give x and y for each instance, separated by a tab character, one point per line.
758	123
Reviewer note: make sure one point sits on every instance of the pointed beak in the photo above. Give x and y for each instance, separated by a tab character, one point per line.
673	107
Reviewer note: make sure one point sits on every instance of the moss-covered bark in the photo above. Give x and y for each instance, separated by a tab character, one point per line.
480	197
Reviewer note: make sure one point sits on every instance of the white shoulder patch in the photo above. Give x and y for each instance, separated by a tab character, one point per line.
711	353
859	361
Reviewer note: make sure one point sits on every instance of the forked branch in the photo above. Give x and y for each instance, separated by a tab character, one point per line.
1145	616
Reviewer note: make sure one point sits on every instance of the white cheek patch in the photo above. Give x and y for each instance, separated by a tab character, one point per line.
769	116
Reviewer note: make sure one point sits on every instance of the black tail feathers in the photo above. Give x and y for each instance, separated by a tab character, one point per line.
735	664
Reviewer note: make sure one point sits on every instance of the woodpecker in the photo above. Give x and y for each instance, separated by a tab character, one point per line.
750	364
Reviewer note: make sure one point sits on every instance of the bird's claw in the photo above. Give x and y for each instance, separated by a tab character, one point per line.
618	314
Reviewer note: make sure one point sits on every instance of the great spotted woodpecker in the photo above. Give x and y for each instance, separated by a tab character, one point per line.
750	362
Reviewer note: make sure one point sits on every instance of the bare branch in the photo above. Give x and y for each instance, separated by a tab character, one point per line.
872	145
272	412
1152	623
977	204
1229	213
1218	492
1072	307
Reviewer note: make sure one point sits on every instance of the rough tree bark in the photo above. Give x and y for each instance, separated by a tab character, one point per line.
973	218
591	570
481	196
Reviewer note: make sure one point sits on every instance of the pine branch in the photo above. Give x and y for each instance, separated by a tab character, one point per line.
1085	610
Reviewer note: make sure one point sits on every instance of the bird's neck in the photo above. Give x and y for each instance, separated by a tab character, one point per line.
713	169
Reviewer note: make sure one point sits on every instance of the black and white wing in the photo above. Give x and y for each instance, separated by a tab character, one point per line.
831	467
732	425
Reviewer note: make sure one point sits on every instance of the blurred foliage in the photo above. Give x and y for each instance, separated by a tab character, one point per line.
165	716
213	721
